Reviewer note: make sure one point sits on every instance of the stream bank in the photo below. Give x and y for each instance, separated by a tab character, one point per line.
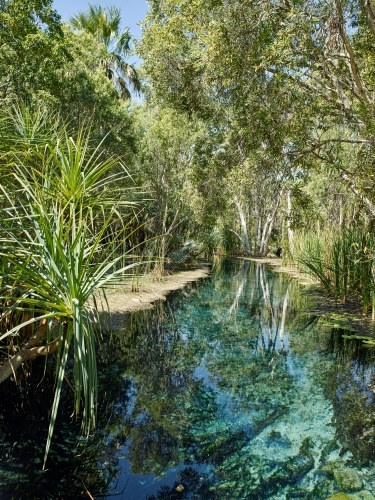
122	300
348	316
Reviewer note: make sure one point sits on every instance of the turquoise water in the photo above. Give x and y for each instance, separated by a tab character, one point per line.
235	393
226	391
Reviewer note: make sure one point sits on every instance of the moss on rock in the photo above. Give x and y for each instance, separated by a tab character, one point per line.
347	479
362	495
339	496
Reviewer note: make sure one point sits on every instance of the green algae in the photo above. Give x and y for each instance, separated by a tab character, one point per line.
339	496
361	495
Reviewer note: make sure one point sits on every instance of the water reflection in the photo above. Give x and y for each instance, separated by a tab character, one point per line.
74	466
226	391
238	395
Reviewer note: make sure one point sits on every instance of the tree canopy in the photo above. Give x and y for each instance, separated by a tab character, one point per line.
254	134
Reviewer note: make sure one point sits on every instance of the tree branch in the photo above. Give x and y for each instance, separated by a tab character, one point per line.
352	62
238	236
367	203
370	15
28	352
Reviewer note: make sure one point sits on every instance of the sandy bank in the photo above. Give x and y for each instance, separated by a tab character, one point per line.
280	268
121	300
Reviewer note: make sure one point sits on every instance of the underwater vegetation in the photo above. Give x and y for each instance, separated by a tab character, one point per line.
239	394
227	391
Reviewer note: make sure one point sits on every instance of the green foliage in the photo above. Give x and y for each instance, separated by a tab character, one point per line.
104	24
165	146
53	228
284	99
342	261
45	63
32	49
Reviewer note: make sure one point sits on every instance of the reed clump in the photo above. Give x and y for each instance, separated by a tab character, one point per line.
343	262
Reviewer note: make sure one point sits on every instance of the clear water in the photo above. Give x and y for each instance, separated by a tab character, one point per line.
236	394
226	391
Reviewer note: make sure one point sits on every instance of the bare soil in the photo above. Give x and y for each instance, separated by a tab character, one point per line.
149	289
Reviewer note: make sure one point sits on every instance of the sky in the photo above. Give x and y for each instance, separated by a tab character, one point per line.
132	12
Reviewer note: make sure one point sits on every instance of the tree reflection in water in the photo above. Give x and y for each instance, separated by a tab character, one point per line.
228	375
225	391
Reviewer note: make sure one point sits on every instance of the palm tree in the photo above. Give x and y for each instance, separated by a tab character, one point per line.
104	23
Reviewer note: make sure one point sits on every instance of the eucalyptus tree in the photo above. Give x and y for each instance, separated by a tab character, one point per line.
32	47
104	24
209	69
232	46
257	58
165	141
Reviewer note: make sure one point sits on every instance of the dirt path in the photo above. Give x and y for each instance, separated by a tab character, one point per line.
121	300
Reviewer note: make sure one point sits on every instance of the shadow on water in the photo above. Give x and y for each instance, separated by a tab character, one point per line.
239	395
74	466
225	391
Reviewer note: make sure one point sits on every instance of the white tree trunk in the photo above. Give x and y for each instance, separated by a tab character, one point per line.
289	218
245	239
268	226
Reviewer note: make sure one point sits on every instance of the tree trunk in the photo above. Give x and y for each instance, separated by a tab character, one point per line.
288	223
245	239
258	225
268	226
27	353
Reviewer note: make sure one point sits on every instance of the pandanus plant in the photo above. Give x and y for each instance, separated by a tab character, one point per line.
56	260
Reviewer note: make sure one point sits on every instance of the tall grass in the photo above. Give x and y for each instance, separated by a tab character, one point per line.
342	261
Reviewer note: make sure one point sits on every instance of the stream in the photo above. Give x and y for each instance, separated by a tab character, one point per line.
227	390
235	393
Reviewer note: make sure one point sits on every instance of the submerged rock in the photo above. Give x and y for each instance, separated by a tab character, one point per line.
339	496
361	495
347	479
